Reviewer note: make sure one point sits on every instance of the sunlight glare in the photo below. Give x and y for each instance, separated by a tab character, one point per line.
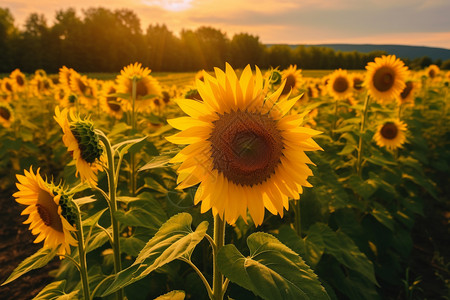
172	5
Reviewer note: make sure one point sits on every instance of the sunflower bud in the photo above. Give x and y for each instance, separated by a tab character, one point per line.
68	208
88	141
275	77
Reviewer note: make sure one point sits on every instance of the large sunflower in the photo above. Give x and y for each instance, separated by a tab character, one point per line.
147	87
243	148
293	78
18	79
339	84
6	115
385	78
51	217
82	142
390	134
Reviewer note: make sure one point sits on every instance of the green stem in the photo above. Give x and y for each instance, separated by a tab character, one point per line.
298	219
363	124
113	206
82	255
219	241
200	274
335	118
133	127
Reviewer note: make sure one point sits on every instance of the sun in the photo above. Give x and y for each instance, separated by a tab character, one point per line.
171	5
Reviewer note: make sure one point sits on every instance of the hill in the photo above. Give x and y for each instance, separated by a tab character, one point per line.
403	51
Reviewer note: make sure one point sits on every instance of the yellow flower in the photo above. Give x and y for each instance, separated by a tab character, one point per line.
357	82
51	221
18	79
243	148
407	95
147	87
65	75
391	134
85	89
6	115
110	104
385	78
339	85
199	76
293	78
82	142
7	85
432	71
61	94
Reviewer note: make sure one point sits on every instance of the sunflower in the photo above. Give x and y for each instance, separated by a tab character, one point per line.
243	148
292	78
407	95
61	94
273	76
357	82
41	85
147	87
199	76
6	115
390	134
18	79
385	78
432	71
65	75
109	103
7	85
84	88
339	84
82	142
51	213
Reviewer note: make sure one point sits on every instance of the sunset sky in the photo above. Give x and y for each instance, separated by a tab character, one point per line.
406	22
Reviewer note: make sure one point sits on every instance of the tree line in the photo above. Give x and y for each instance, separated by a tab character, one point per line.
105	40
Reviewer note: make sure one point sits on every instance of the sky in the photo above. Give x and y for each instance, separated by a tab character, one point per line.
403	22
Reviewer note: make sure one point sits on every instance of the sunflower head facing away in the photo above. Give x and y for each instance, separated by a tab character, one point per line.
109	102
51	212
391	134
147	87
339	84
385	78
292	78
243	148
82	142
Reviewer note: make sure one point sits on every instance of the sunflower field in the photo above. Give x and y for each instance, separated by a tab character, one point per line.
229	184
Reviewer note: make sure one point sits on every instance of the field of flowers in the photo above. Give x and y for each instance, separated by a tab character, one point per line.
230	184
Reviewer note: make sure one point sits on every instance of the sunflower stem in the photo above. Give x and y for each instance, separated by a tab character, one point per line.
298	219
335	118
219	241
200	274
133	128
363	125
113	206
82	255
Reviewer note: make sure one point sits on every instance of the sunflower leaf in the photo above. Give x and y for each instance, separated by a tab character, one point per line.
173	295
156	162
55	291
35	261
272	271
174	240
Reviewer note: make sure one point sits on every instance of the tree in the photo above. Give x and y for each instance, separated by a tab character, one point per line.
245	49
7	33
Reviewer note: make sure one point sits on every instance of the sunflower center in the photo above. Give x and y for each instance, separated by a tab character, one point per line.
290	84
407	90
48	210
141	88
246	147
357	84
112	104
5	113
20	80
8	87
389	131
383	79
81	86
340	84
432	73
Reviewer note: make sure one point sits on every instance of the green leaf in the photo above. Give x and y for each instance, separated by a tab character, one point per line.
363	188
92	220
55	291
383	216
272	271
349	148
127	145
174	240
84	200
156	162
173	295
343	248
143	213
35	261
119	128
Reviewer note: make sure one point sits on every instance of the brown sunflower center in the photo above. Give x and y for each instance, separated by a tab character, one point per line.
20	81
357	84
290	84
112	104
8	87
246	147
389	131
5	113
141	88
81	86
407	90
340	84
48	210
384	79
432	73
